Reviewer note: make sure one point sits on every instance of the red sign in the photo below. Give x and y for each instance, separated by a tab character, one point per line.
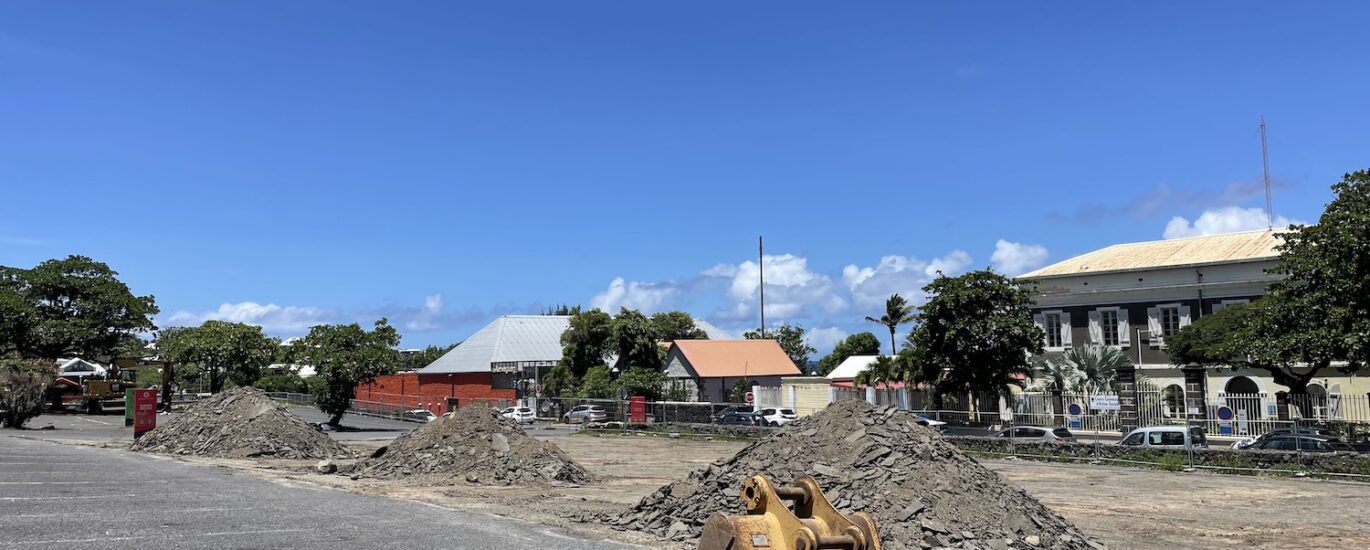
637	409
144	411
750	397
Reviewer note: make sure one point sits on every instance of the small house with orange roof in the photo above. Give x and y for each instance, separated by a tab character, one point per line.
713	367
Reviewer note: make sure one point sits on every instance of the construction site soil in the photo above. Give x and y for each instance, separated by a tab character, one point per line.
476	445
241	423
922	491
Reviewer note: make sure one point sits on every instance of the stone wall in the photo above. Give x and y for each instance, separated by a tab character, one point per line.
1349	463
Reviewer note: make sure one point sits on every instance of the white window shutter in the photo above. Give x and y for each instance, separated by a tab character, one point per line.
1096	329
1184	316
1124	328
1065	330
1153	324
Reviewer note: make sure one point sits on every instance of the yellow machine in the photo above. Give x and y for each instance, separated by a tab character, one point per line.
812	524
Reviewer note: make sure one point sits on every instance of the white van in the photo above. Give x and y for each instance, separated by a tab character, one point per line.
1166	437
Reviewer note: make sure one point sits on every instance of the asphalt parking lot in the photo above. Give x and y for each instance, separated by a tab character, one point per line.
58	496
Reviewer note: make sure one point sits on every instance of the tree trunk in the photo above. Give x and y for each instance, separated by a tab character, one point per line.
216	381
336	419
892	350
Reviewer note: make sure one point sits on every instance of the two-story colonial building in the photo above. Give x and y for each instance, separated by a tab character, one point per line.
1133	296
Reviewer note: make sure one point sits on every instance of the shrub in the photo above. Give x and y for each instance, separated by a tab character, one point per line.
289	383
22	388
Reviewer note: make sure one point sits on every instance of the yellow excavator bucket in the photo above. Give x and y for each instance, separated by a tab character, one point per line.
770	524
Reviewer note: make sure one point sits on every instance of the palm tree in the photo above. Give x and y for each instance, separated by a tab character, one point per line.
1057	374
897	312
1097	366
883	370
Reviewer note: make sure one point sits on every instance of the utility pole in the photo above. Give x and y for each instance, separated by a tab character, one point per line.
1265	163
761	274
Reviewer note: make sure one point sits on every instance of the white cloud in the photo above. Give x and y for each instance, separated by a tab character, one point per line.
1228	219
1015	259
790	287
823	339
870	286
271	317
647	297
428	317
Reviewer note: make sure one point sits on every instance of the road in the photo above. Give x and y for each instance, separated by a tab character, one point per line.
55	496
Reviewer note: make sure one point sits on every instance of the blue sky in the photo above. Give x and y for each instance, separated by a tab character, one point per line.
441	163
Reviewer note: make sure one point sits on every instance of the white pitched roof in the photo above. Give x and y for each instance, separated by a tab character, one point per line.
853	366
712	331
514	338
77	366
508	339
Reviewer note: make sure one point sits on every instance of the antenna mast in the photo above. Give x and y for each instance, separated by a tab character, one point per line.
1265	162
761	274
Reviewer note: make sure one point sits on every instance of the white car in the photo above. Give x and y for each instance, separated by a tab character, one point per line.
521	415
419	415
774	417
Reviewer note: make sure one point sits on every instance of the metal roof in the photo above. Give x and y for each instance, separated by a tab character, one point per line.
1211	249
735	358
852	366
520	338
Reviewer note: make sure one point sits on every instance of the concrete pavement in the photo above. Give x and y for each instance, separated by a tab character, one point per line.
55	496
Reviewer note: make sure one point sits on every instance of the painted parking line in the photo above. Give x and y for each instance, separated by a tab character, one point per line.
82	497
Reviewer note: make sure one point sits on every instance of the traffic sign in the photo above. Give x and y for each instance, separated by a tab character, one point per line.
749	398
1224	420
1074	409
144	411
1104	403
1225	413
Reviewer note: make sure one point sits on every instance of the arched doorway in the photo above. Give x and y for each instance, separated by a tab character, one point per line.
1242	395
1241	385
1173	401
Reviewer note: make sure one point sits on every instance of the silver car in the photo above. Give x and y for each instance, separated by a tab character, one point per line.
1166	437
582	414
1037	434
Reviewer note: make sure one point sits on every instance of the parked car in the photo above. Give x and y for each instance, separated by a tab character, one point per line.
419	415
1174	437
742	409
775	417
737	419
520	415
584	414
1038	434
1304	443
1319	432
934	424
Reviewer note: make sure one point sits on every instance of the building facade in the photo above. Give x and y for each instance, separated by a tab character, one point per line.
1132	296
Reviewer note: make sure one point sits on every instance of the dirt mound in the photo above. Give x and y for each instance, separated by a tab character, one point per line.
241	423
922	491
476	445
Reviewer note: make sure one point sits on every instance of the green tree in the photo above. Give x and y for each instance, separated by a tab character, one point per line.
22	390
559	382
1097	366
677	325
897	312
222	351
1267	334
587	341
416	361
649	383
884	370
791	339
287	382
738	394
597	383
562	309
635	340
974	333
861	343
74	306
344	356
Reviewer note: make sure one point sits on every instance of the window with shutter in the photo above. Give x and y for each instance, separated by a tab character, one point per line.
1124	328
1065	330
1109	329
1096	329
1153	325
1052	327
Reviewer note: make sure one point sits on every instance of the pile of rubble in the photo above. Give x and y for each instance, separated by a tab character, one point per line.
922	492
474	444
241	423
